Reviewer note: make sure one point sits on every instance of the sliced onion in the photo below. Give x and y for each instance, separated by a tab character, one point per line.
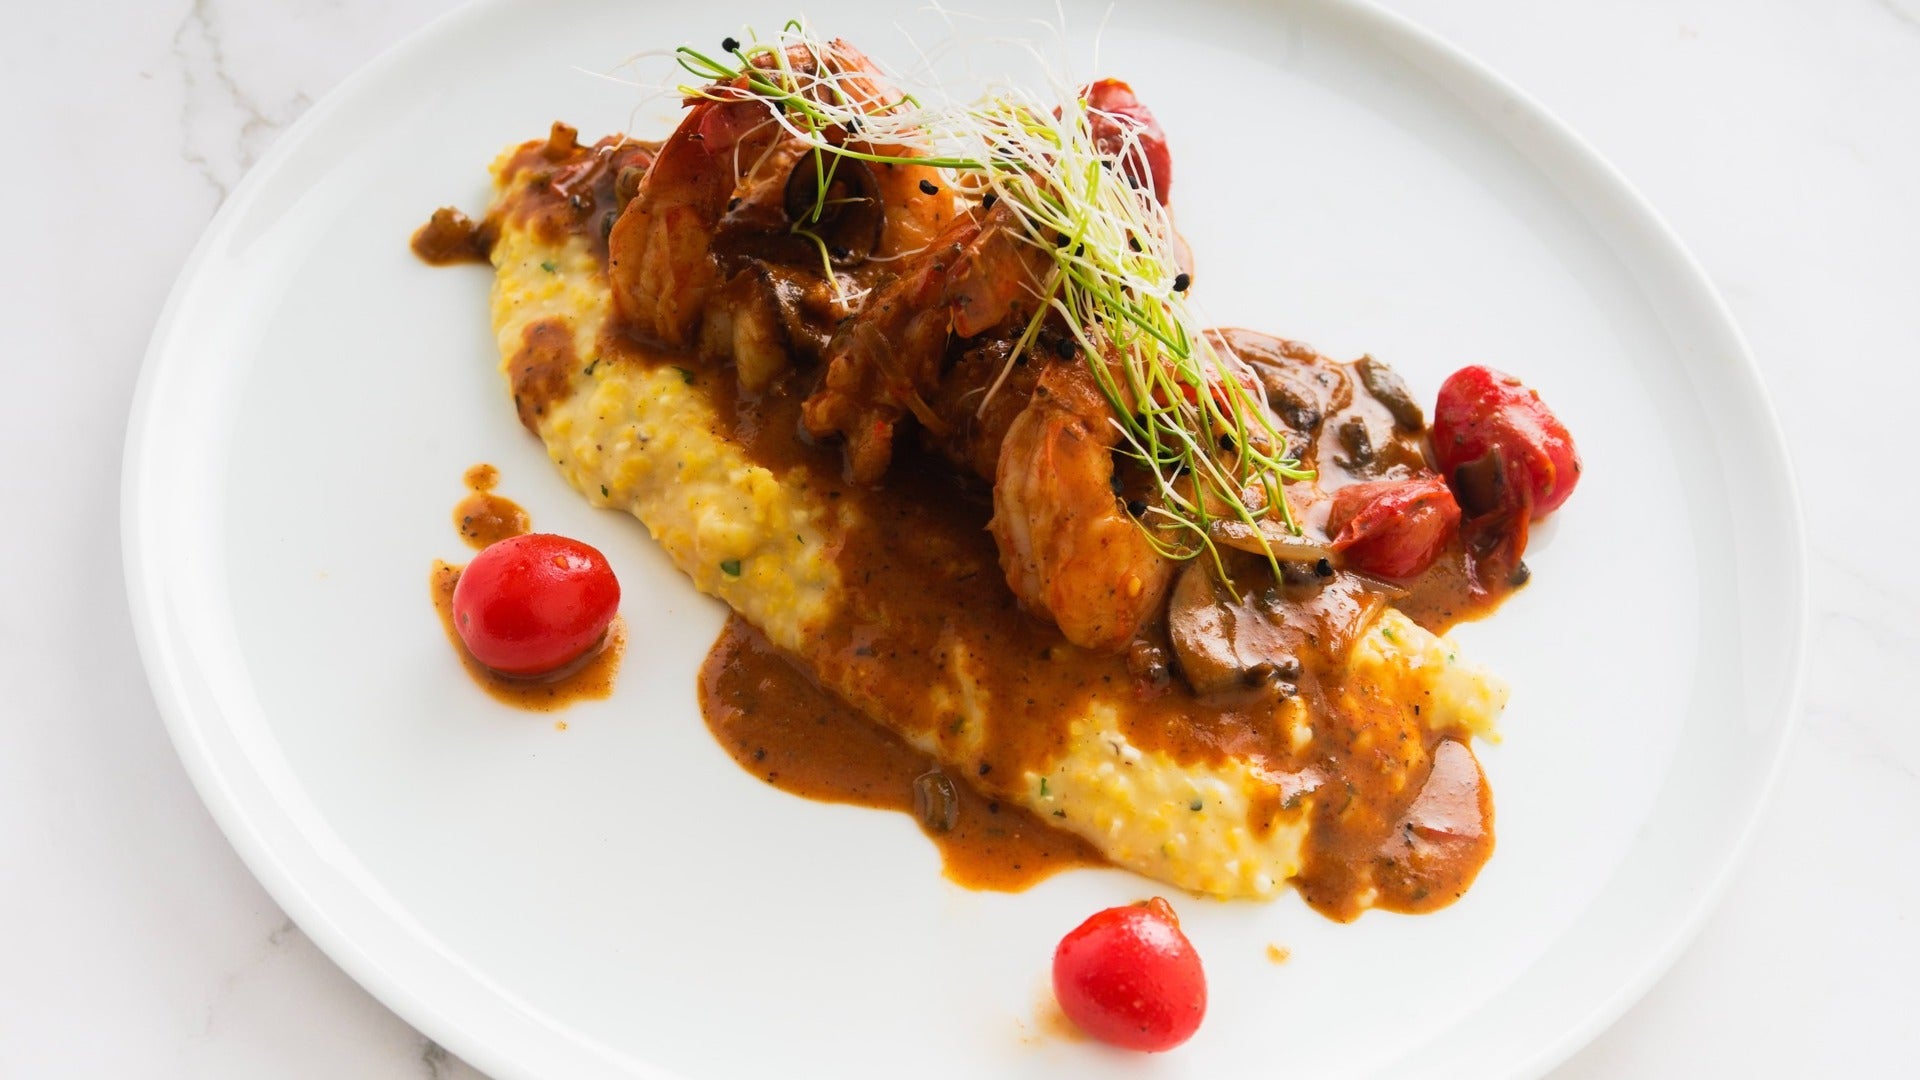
935	801
1285	546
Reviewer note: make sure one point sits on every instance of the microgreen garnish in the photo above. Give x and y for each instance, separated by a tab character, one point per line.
1186	412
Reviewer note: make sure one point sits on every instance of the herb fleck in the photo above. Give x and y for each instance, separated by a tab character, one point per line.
730	567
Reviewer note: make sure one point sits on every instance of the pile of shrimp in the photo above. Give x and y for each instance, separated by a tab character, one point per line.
913	304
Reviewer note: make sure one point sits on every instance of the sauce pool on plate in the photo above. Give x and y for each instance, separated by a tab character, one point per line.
781	727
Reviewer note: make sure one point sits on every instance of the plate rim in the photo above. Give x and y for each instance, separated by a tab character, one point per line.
495	1055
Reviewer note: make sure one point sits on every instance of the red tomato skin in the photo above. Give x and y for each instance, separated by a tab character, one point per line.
531	604
1393	528
1116	99
1128	977
1482	410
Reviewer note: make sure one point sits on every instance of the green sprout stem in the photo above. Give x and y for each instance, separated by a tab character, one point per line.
1183	413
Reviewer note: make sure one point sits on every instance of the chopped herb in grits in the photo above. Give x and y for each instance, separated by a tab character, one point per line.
954	351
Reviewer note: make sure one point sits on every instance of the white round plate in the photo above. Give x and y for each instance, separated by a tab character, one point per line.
618	899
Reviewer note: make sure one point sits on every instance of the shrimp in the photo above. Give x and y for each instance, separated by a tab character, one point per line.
891	359
660	254
730	189
1069	548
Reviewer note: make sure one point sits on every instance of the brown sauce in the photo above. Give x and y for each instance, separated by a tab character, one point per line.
484	518
1421	859
1402	816
588	679
542	369
576	189
917	560
451	237
782	727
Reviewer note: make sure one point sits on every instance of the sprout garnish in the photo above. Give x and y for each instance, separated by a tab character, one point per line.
1184	412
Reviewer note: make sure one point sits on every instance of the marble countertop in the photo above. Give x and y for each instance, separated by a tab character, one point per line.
1780	138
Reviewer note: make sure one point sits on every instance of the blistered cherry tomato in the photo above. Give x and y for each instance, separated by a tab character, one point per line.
1114	106
1393	528
1500	446
1129	977
532	604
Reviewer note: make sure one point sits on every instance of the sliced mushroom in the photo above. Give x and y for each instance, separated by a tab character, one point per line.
850	215
1358	444
1222	642
1390	390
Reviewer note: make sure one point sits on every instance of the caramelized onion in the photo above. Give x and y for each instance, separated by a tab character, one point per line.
1269	535
935	801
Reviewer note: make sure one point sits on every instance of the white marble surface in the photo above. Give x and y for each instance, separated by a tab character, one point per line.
1781	138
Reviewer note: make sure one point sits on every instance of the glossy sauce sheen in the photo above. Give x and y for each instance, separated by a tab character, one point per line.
916	559
778	725
484	518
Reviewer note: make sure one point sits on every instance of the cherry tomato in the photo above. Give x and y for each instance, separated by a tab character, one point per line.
529	605
1517	454
1129	977
1117	111
1393	528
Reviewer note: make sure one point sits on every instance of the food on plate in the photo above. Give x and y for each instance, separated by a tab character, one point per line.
530	606
534	618
781	726
924	394
592	679
1508	456
1129	977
